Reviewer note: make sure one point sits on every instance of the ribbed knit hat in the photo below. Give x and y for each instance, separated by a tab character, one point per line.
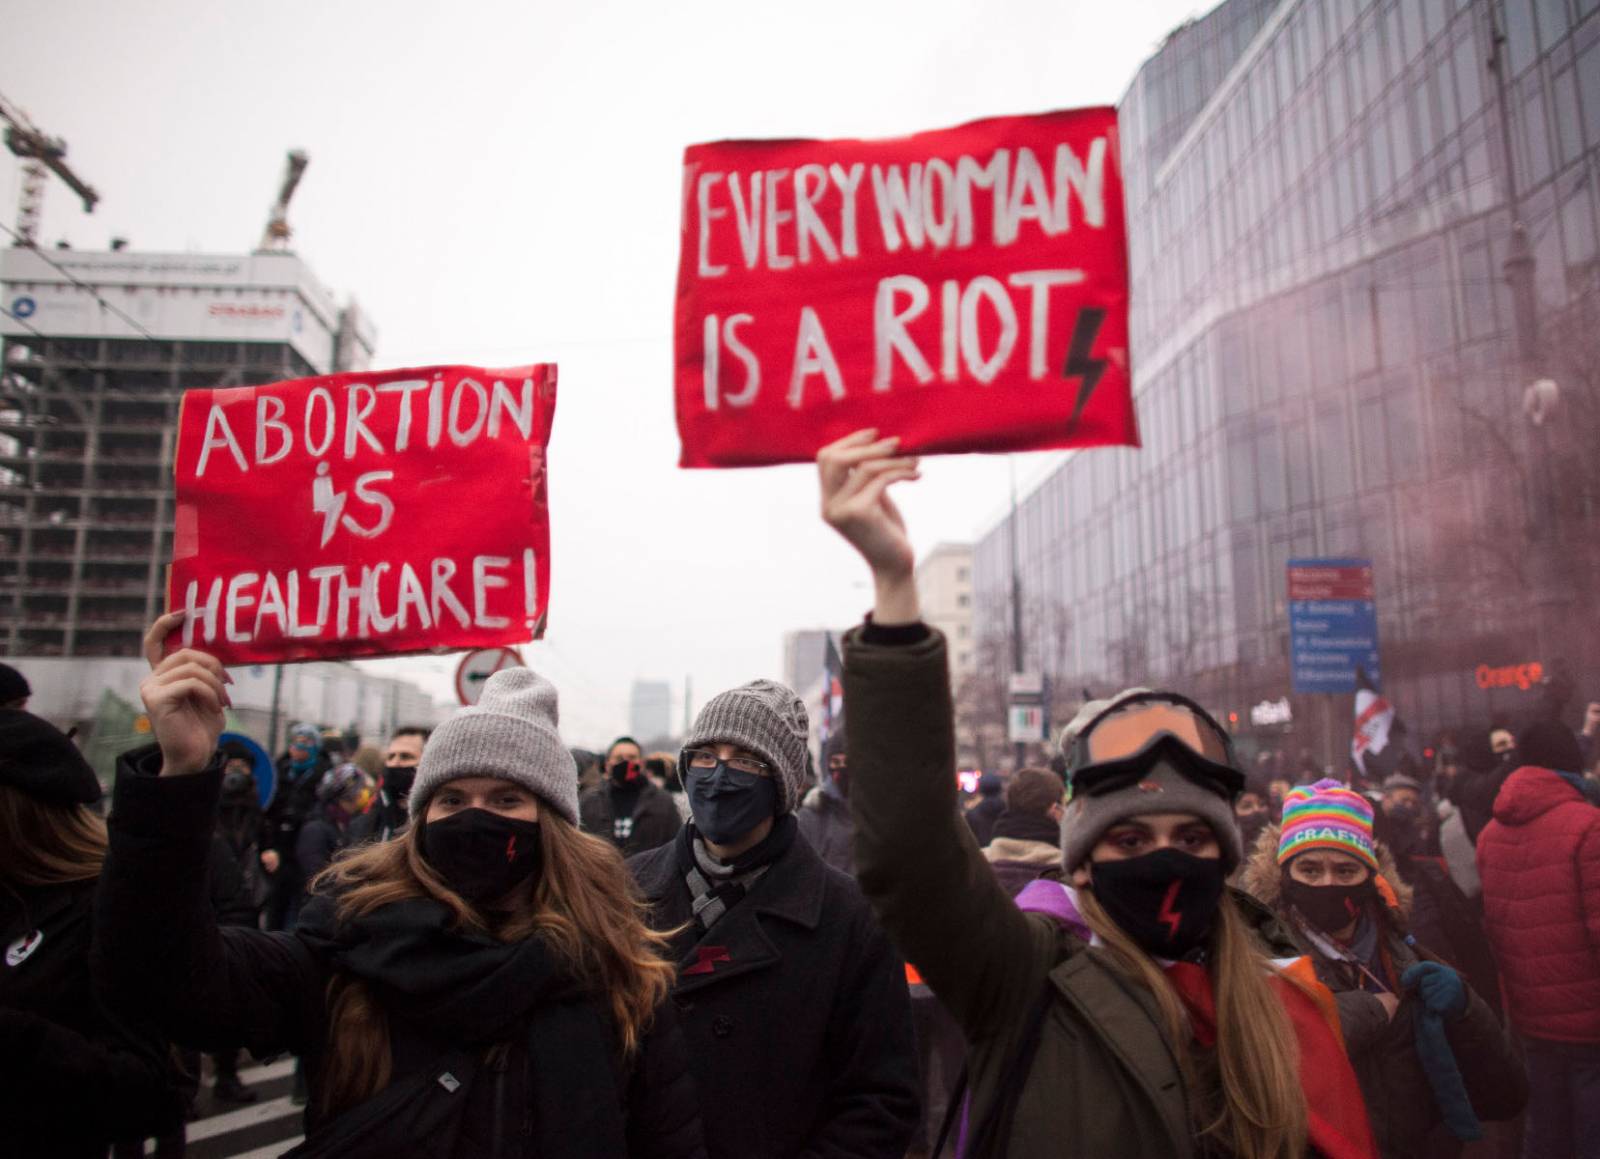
1326	815
511	734
768	719
1163	790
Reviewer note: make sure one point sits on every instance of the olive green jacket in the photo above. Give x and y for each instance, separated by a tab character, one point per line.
1104	1081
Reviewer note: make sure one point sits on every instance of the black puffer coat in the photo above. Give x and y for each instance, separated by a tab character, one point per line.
73	1078
159	949
796	1011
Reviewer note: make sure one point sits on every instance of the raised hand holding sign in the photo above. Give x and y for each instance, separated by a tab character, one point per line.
184	696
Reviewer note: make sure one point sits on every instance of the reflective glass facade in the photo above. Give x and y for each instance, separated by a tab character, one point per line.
1324	348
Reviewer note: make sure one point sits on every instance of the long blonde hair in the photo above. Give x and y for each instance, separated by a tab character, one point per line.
582	903
1258	1109
45	844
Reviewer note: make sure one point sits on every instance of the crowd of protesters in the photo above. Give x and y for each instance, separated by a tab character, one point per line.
479	942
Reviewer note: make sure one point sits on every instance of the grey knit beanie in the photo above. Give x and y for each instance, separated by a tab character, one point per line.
768	719
511	734
1163	790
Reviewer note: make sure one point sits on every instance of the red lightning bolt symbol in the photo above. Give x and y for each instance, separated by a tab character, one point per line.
511	848
1166	912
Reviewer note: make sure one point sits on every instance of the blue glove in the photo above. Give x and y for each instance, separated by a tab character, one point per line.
1438	986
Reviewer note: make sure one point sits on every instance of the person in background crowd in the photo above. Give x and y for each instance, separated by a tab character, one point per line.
1439	915
1027	837
1540	863
825	816
14	688
1455	844
1426	1048
662	769
388	813
1412	830
1502	742
1253	810
344	794
300	771
1487	760
794	1002
73	1076
1277	790
626	809
1134	1013
982	816
1588	735
337	745
481	985
238	886
369	759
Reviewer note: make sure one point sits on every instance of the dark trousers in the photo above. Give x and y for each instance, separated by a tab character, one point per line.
1563	1100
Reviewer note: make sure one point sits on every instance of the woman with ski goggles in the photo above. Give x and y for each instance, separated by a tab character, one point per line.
1130	1009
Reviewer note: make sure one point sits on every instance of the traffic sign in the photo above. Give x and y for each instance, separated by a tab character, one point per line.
477	666
1333	624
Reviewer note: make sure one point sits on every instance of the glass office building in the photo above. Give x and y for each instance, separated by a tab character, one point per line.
1327	360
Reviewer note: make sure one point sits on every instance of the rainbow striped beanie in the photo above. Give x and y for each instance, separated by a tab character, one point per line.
1326	815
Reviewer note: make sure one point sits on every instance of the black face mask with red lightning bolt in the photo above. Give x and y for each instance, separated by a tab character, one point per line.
1165	901
482	855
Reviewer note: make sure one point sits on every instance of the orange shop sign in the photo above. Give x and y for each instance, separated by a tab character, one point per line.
1522	676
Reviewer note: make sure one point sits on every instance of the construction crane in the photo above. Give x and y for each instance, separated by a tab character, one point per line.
41	155
276	235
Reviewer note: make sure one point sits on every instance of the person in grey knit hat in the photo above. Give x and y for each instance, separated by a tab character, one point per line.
765	935
510	734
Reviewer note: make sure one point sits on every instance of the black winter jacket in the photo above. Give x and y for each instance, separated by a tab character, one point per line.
73	1078
796	1011
158	948
656	820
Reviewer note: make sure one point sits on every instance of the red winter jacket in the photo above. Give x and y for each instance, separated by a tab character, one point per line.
1540	863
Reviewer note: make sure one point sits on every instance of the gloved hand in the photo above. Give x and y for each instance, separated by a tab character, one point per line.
1438	986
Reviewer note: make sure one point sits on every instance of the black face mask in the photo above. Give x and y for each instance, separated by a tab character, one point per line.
1165	901
727	804
482	855
1329	908
626	772
398	779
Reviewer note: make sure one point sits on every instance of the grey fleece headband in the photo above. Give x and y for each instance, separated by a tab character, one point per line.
1162	790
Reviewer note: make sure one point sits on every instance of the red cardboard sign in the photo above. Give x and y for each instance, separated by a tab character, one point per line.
363	514
965	289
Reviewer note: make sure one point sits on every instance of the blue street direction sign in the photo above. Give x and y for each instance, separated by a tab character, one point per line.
1333	624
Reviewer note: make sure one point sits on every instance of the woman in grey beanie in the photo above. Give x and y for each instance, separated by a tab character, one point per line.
482	983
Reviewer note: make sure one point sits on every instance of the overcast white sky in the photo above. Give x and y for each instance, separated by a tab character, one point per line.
499	184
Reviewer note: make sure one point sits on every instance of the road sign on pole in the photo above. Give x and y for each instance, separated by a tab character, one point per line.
1333	624
480	664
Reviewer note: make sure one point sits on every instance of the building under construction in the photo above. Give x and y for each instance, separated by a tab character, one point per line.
98	350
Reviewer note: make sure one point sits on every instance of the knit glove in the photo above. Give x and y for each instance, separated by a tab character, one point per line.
1442	995
1439	988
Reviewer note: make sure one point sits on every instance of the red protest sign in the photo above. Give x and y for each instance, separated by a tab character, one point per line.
965	289
363	514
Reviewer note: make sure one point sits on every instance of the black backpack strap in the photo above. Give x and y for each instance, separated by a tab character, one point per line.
993	1131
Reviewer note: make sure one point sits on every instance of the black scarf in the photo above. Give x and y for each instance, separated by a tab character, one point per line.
1027	827
470	991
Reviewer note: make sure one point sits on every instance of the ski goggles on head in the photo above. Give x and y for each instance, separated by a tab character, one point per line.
1121	745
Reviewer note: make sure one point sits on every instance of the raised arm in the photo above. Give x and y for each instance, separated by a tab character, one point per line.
157	948
915	859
